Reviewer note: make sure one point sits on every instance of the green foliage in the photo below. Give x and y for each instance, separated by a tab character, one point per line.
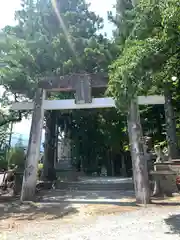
147	50
52	39
123	20
40	169
149	56
94	133
3	136
16	156
3	163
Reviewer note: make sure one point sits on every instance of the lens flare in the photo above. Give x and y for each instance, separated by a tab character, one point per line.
62	24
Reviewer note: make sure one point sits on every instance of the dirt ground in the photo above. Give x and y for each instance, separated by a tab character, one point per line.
14	215
19	216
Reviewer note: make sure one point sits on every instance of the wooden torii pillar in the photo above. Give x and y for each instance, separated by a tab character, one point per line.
82	85
33	153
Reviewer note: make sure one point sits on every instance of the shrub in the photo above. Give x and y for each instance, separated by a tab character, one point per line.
16	156
40	170
3	163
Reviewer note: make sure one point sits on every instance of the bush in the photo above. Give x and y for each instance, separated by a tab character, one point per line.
3	164
40	170
16	156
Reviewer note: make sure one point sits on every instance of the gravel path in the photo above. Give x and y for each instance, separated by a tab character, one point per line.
147	223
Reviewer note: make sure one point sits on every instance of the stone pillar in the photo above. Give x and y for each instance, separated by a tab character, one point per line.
33	153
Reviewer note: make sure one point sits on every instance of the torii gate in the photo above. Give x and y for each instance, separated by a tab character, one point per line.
82	85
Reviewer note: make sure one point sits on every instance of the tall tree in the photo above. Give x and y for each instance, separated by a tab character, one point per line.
147	51
52	38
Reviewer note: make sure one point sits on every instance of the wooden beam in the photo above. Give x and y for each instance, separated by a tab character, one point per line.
83	90
68	82
96	103
22	106
33	153
151	100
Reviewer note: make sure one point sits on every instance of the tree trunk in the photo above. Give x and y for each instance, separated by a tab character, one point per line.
139	163
111	162
49	152
112	167
123	166
33	153
56	145
170	124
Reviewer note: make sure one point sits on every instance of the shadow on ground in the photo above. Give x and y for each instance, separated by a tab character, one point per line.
55	204
167	201
89	197
173	222
52	205
12	208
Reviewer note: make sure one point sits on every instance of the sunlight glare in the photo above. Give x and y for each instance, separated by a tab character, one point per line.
67	35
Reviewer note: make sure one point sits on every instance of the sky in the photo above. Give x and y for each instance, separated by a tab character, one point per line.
7	10
8	7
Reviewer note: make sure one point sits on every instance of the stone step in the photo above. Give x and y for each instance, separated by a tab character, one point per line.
176	161
175	168
162	167
162	173
94	187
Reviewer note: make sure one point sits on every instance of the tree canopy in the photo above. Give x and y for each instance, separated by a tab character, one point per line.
52	39
149	57
150	52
